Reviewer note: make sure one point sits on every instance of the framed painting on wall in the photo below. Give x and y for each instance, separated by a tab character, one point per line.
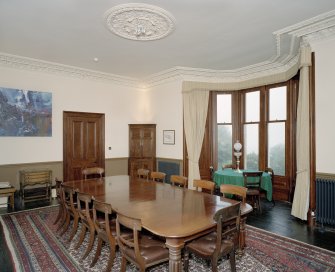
169	137
25	113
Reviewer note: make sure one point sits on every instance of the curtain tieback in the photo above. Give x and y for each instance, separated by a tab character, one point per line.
301	171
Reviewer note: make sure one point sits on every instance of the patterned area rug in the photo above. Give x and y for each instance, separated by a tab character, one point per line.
35	246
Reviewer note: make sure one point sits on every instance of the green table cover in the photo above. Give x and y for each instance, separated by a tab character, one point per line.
230	176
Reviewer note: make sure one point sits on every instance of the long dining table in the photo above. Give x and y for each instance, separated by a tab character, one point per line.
179	215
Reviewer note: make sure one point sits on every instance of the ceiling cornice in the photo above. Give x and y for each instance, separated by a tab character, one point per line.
312	30
315	29
24	63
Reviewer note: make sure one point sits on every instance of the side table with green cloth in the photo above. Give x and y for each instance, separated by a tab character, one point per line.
230	176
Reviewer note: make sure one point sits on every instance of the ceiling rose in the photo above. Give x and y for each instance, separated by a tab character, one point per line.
140	22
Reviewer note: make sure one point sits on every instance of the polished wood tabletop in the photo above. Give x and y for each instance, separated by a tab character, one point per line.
169	211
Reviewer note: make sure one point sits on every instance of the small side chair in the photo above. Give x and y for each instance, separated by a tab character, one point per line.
92	172
141	250
219	243
204	185
158	176
178	181
143	173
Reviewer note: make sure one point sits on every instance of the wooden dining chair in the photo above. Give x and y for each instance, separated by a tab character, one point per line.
226	166
70	204
143	173
158	176
219	243
62	206
92	172
206	185
142	250
61	212
252	181
270	171
178	181
235	190
86	216
106	231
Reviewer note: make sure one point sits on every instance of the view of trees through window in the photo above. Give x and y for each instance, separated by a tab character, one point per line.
276	129
224	129
272	116
224	145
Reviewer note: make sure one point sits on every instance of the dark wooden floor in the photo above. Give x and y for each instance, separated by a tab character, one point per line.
275	219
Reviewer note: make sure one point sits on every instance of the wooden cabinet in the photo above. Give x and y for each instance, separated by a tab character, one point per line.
142	147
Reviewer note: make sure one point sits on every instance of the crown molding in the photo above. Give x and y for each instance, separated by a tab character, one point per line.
288	41
24	63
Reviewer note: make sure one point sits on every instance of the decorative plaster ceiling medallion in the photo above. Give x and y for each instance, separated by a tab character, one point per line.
140	22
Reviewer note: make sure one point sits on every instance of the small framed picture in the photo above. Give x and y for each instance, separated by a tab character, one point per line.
168	137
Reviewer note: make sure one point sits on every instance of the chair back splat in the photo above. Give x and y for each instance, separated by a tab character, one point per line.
178	181
158	176
106	231
143	173
84	202
142	250
204	184
252	181
235	190
70	208
219	243
61	212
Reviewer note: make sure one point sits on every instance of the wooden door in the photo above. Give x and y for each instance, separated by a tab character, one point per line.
83	143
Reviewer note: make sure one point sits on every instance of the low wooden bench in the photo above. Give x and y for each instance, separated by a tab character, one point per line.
8	192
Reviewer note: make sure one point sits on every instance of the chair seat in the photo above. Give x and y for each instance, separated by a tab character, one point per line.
150	249
205	245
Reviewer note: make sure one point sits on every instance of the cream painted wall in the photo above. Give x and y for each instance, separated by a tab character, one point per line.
325	105
119	103
167	112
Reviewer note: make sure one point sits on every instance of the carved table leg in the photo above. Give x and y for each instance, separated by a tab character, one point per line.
241	243
175	246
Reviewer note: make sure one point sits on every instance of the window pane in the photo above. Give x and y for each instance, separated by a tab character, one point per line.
252	107
277	103
224	145
224	108
251	150
276	147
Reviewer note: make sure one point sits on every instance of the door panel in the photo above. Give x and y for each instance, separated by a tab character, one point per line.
135	143
83	143
77	146
148	143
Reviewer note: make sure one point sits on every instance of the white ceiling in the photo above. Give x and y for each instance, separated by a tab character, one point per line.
212	34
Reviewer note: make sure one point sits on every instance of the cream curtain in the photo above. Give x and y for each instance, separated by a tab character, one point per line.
195	114
302	188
